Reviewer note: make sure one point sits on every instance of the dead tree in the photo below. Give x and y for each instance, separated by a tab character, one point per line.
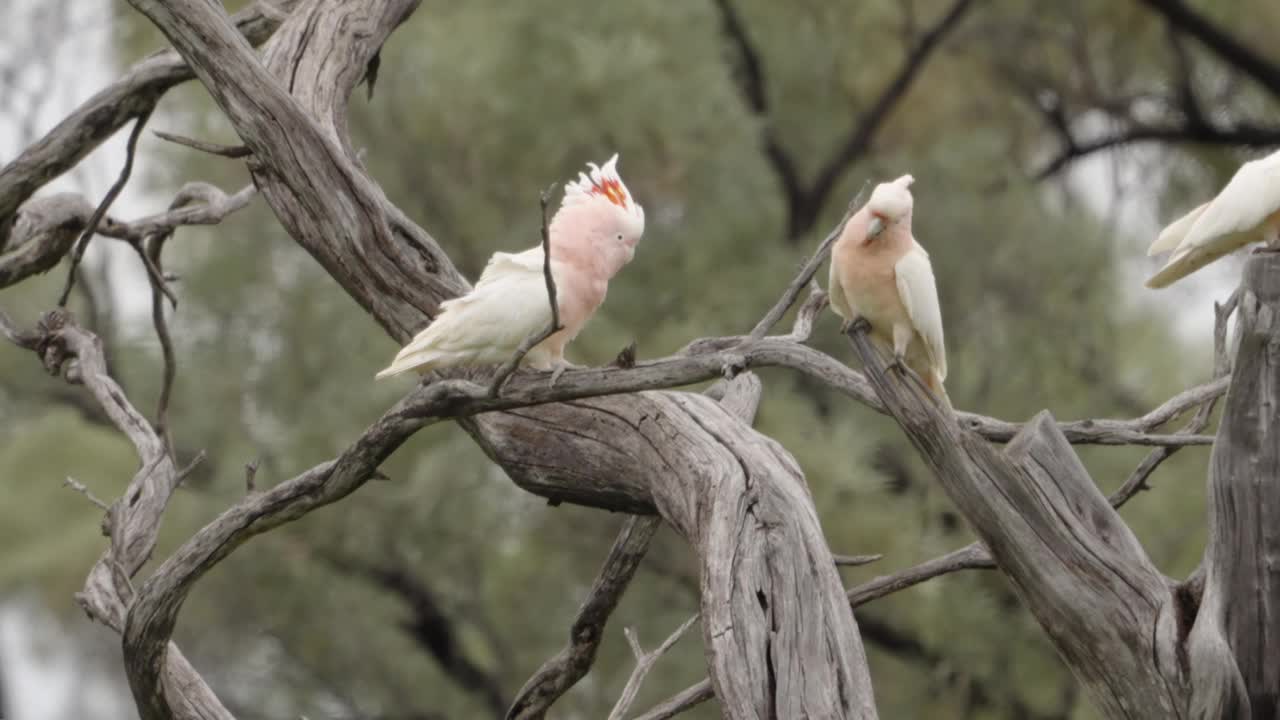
777	628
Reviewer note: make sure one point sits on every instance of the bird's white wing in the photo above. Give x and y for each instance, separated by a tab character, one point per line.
1231	220
1173	235
508	304
1246	202
835	293
503	264
919	293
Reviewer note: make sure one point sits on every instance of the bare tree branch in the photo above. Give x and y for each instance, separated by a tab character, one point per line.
227	151
1240	135
807	271
859	139
684	700
644	663
1137	481
969	556
805	200
1227	48
99	117
1114	619
571	664
45	230
133	520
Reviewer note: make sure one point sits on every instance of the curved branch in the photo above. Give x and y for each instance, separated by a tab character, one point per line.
1228	49
860	137
1240	135
99	117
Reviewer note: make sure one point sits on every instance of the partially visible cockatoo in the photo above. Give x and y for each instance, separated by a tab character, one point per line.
1247	210
593	234
879	272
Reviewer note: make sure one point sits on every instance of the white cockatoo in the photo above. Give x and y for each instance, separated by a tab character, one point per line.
1247	210
879	272
593	234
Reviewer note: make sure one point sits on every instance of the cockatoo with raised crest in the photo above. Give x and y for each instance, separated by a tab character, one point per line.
592	235
1247	210
879	272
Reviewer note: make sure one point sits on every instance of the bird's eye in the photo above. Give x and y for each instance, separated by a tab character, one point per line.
619	237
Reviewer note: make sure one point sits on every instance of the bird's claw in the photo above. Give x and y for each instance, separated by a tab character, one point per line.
559	369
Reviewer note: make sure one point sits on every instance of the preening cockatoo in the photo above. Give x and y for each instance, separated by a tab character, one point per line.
879	272
593	234
1247	210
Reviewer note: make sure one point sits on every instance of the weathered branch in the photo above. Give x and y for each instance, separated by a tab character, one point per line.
1137	480
196	203
571	664
1235	639
44	231
805	276
1112	616
99	117
644	663
133	520
46	228
227	151
91	228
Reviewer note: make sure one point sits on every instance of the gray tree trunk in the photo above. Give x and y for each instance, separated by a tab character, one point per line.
1239	613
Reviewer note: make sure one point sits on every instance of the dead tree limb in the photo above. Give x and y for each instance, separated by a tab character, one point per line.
1239	614
1115	620
133	520
99	117
567	667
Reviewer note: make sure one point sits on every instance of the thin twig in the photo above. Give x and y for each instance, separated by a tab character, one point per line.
159	290
855	560
554	326
80	488
1137	480
685	699
227	151
644	663
807	271
972	555
185	472
92	227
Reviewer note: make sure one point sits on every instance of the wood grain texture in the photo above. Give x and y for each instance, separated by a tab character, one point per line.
1240	609
1071	559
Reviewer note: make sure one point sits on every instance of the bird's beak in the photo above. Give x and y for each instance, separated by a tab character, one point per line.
875	227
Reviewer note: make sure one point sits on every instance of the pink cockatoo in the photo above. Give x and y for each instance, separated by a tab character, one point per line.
1247	210
593	234
879	272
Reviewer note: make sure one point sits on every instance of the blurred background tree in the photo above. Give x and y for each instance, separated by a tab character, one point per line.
744	126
